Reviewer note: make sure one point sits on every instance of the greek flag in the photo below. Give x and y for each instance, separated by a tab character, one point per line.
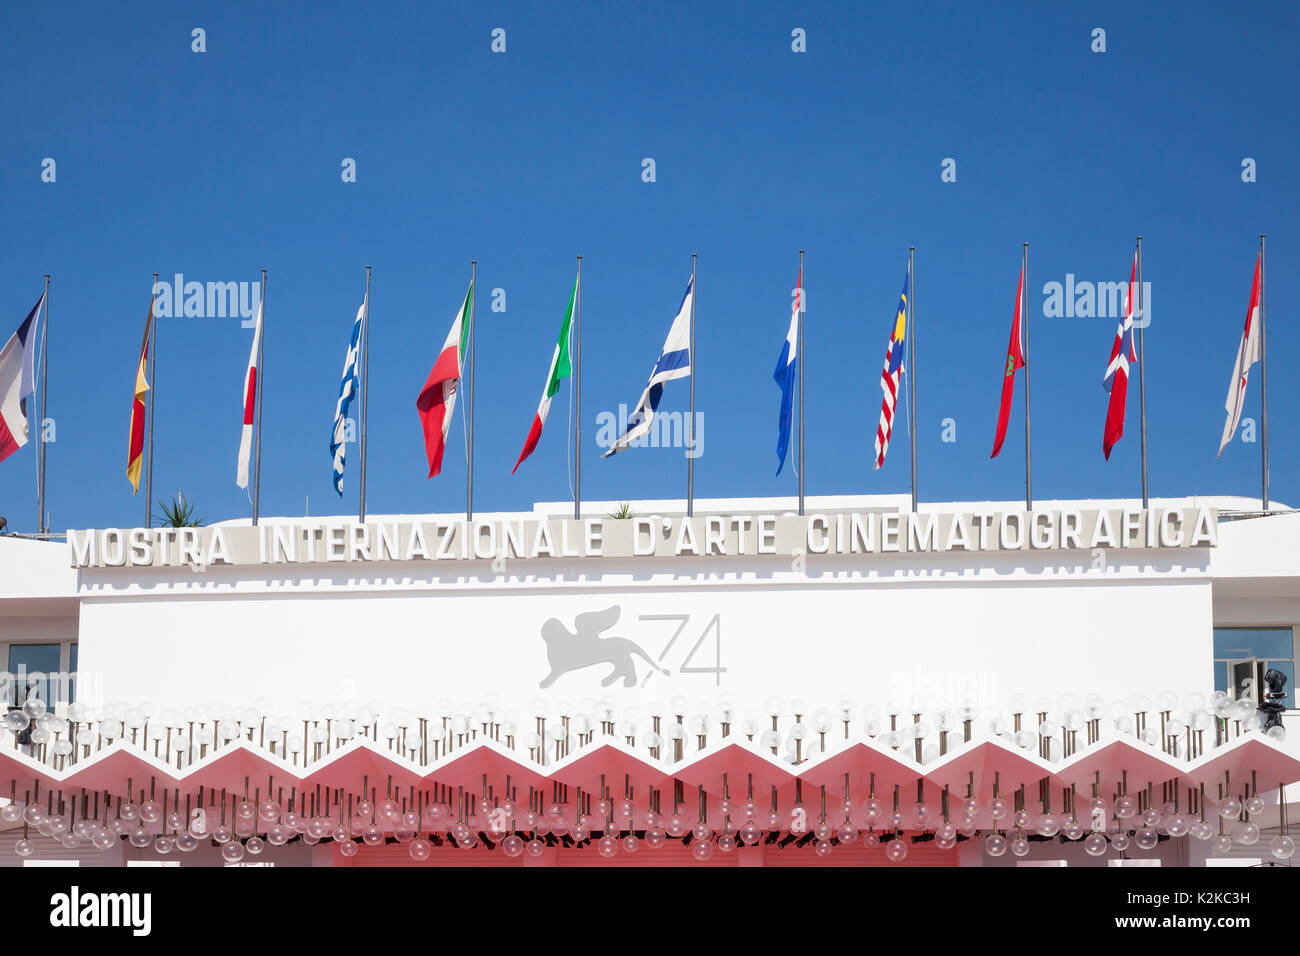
348	387
674	362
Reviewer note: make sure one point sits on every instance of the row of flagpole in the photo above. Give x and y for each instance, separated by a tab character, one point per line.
1252	348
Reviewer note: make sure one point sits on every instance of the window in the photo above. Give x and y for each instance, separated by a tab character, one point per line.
30	664
1235	648
40	669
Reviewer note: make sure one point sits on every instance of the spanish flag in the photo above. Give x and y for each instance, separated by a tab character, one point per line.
136	453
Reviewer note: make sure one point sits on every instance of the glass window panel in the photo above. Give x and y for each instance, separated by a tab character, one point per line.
72	671
1269	643
28	659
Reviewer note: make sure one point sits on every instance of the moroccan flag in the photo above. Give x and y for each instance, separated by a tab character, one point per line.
1248	352
135	457
438	397
560	370
251	385
1116	380
1015	361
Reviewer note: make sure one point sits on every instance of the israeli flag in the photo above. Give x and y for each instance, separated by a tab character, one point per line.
348	387
674	362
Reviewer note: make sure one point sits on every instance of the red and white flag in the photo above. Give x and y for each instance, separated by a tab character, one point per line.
1015	361
1116	380
250	403
18	382
438	397
1247	355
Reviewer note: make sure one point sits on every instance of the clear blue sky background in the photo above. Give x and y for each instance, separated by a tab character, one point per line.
219	164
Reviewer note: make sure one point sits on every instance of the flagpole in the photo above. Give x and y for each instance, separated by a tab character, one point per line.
40	457
690	425
577	397
799	369
153	400
365	388
1024	316
911	369
1142	367
469	431
260	383
1264	384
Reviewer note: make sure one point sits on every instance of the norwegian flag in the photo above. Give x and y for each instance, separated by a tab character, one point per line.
1116	380
892	373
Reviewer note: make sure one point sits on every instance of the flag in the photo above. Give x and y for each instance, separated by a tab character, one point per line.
1015	361
135	453
561	367
892	373
1247	355
1116	380
18	382
673	362
349	385
250	404
786	364
438	397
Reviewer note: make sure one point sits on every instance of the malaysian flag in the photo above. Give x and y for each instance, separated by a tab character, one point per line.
1116	380
892	372
348	387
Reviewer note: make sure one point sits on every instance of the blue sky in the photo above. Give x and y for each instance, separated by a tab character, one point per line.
219	164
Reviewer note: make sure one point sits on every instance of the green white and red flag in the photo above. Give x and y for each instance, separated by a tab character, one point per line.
561	367
438	397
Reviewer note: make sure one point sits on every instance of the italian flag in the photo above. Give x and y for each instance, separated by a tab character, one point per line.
438	397
560	369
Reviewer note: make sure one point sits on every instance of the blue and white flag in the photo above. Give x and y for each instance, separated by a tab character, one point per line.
674	362
347	388
786	365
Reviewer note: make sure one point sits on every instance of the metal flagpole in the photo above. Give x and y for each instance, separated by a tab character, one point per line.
365	386
41	526
576	351
469	430
260	384
153	400
1024	316
690	424
800	356
911	368
1264	384
1142	367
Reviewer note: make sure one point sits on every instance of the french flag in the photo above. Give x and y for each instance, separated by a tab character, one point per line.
17	382
1116	380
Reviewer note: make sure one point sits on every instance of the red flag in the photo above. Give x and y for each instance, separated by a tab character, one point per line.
1015	360
1116	380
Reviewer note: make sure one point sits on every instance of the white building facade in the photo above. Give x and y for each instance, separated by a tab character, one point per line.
971	684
